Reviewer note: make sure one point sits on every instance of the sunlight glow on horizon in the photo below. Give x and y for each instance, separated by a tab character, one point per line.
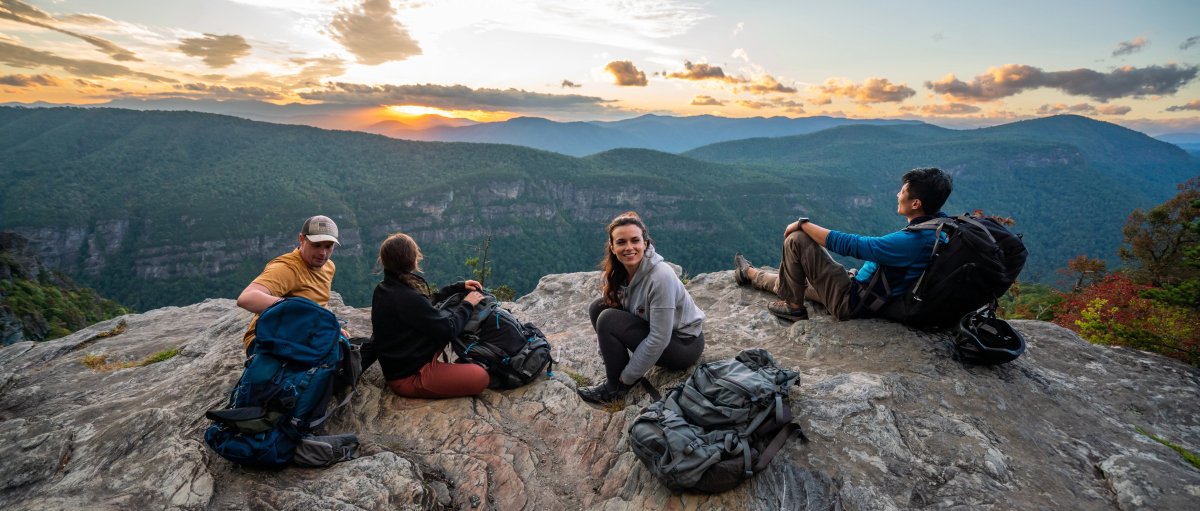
414	111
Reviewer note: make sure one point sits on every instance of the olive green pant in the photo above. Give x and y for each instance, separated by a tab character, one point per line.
807	271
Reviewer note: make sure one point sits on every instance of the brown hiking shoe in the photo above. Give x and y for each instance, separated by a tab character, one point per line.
740	267
782	311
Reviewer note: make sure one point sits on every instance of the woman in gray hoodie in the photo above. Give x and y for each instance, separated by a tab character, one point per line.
644	316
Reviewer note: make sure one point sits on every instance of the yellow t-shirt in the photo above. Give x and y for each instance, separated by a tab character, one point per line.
287	275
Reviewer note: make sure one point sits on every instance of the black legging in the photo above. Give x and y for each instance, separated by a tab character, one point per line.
619	332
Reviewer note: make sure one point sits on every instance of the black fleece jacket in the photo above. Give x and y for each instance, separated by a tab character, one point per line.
407	329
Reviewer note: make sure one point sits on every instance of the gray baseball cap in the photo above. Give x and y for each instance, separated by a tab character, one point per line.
320	228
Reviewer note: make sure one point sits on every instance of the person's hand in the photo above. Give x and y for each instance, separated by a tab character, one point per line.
472	285
792	227
852	272
345	333
473	298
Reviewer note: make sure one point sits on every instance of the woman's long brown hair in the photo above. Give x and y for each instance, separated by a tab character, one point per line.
400	255
613	273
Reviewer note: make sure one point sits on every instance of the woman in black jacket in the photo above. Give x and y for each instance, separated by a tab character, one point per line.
409	334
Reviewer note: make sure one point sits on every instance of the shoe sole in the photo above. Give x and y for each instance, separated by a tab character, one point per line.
738	276
788	317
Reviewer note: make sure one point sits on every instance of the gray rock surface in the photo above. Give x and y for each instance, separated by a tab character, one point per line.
895	422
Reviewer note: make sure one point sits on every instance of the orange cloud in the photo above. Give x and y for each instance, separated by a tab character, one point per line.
30	81
216	50
372	33
626	74
873	90
706	101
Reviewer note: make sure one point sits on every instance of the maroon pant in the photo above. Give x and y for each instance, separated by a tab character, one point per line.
439	379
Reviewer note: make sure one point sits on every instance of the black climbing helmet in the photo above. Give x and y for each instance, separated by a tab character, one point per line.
987	340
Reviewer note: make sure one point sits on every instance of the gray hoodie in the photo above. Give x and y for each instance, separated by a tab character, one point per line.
656	295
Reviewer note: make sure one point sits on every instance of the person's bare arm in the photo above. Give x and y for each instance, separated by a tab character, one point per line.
256	298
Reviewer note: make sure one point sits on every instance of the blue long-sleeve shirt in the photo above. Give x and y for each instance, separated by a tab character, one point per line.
902	255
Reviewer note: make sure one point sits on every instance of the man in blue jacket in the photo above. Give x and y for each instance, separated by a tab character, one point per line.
809	272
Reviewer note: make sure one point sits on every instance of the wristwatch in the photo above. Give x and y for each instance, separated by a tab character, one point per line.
803	220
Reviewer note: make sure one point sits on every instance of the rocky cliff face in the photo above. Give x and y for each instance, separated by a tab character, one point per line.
895	422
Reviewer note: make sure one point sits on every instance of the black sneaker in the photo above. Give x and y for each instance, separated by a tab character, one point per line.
740	270
602	393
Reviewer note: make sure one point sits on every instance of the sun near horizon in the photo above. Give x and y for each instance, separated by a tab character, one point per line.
419	111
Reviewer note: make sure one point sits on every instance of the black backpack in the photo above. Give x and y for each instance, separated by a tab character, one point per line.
514	353
975	260
725	424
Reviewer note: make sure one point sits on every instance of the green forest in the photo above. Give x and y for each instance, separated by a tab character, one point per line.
170	208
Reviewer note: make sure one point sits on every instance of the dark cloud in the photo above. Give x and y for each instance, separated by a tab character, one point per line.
84	83
626	74
1129	47
568	84
20	12
873	90
30	81
1190	42
1062	108
701	71
1191	105
450	97
765	84
28	58
707	101
216	50
372	33
1083	109
1013	79
223	92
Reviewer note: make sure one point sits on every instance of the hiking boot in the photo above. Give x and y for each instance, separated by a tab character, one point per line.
741	268
782	311
603	393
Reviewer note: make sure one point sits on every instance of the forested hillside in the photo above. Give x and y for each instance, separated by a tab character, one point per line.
159	208
1069	182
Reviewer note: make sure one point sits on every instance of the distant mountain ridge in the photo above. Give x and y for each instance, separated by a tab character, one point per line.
658	132
169	208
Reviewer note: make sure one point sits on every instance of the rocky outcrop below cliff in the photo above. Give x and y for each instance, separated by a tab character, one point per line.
895	422
38	304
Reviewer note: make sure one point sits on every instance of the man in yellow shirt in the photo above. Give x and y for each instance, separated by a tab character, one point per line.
305	272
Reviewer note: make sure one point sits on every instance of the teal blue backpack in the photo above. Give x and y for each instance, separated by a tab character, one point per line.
296	362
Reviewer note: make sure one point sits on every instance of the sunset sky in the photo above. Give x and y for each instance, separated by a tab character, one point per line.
355	62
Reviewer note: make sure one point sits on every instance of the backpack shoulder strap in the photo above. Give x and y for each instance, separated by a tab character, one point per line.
929	225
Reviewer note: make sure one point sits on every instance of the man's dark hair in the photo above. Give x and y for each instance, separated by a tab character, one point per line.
929	184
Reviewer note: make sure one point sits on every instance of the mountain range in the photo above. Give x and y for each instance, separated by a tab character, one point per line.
169	208
661	133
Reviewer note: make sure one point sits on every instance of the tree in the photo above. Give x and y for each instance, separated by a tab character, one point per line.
1160	244
1085	270
1113	311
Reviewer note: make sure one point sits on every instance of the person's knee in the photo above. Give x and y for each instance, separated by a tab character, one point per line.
797	240
610	320
478	380
595	309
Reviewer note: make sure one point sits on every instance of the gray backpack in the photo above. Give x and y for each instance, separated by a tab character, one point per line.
724	424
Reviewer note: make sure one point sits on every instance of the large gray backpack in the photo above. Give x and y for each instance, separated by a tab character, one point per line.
724	424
